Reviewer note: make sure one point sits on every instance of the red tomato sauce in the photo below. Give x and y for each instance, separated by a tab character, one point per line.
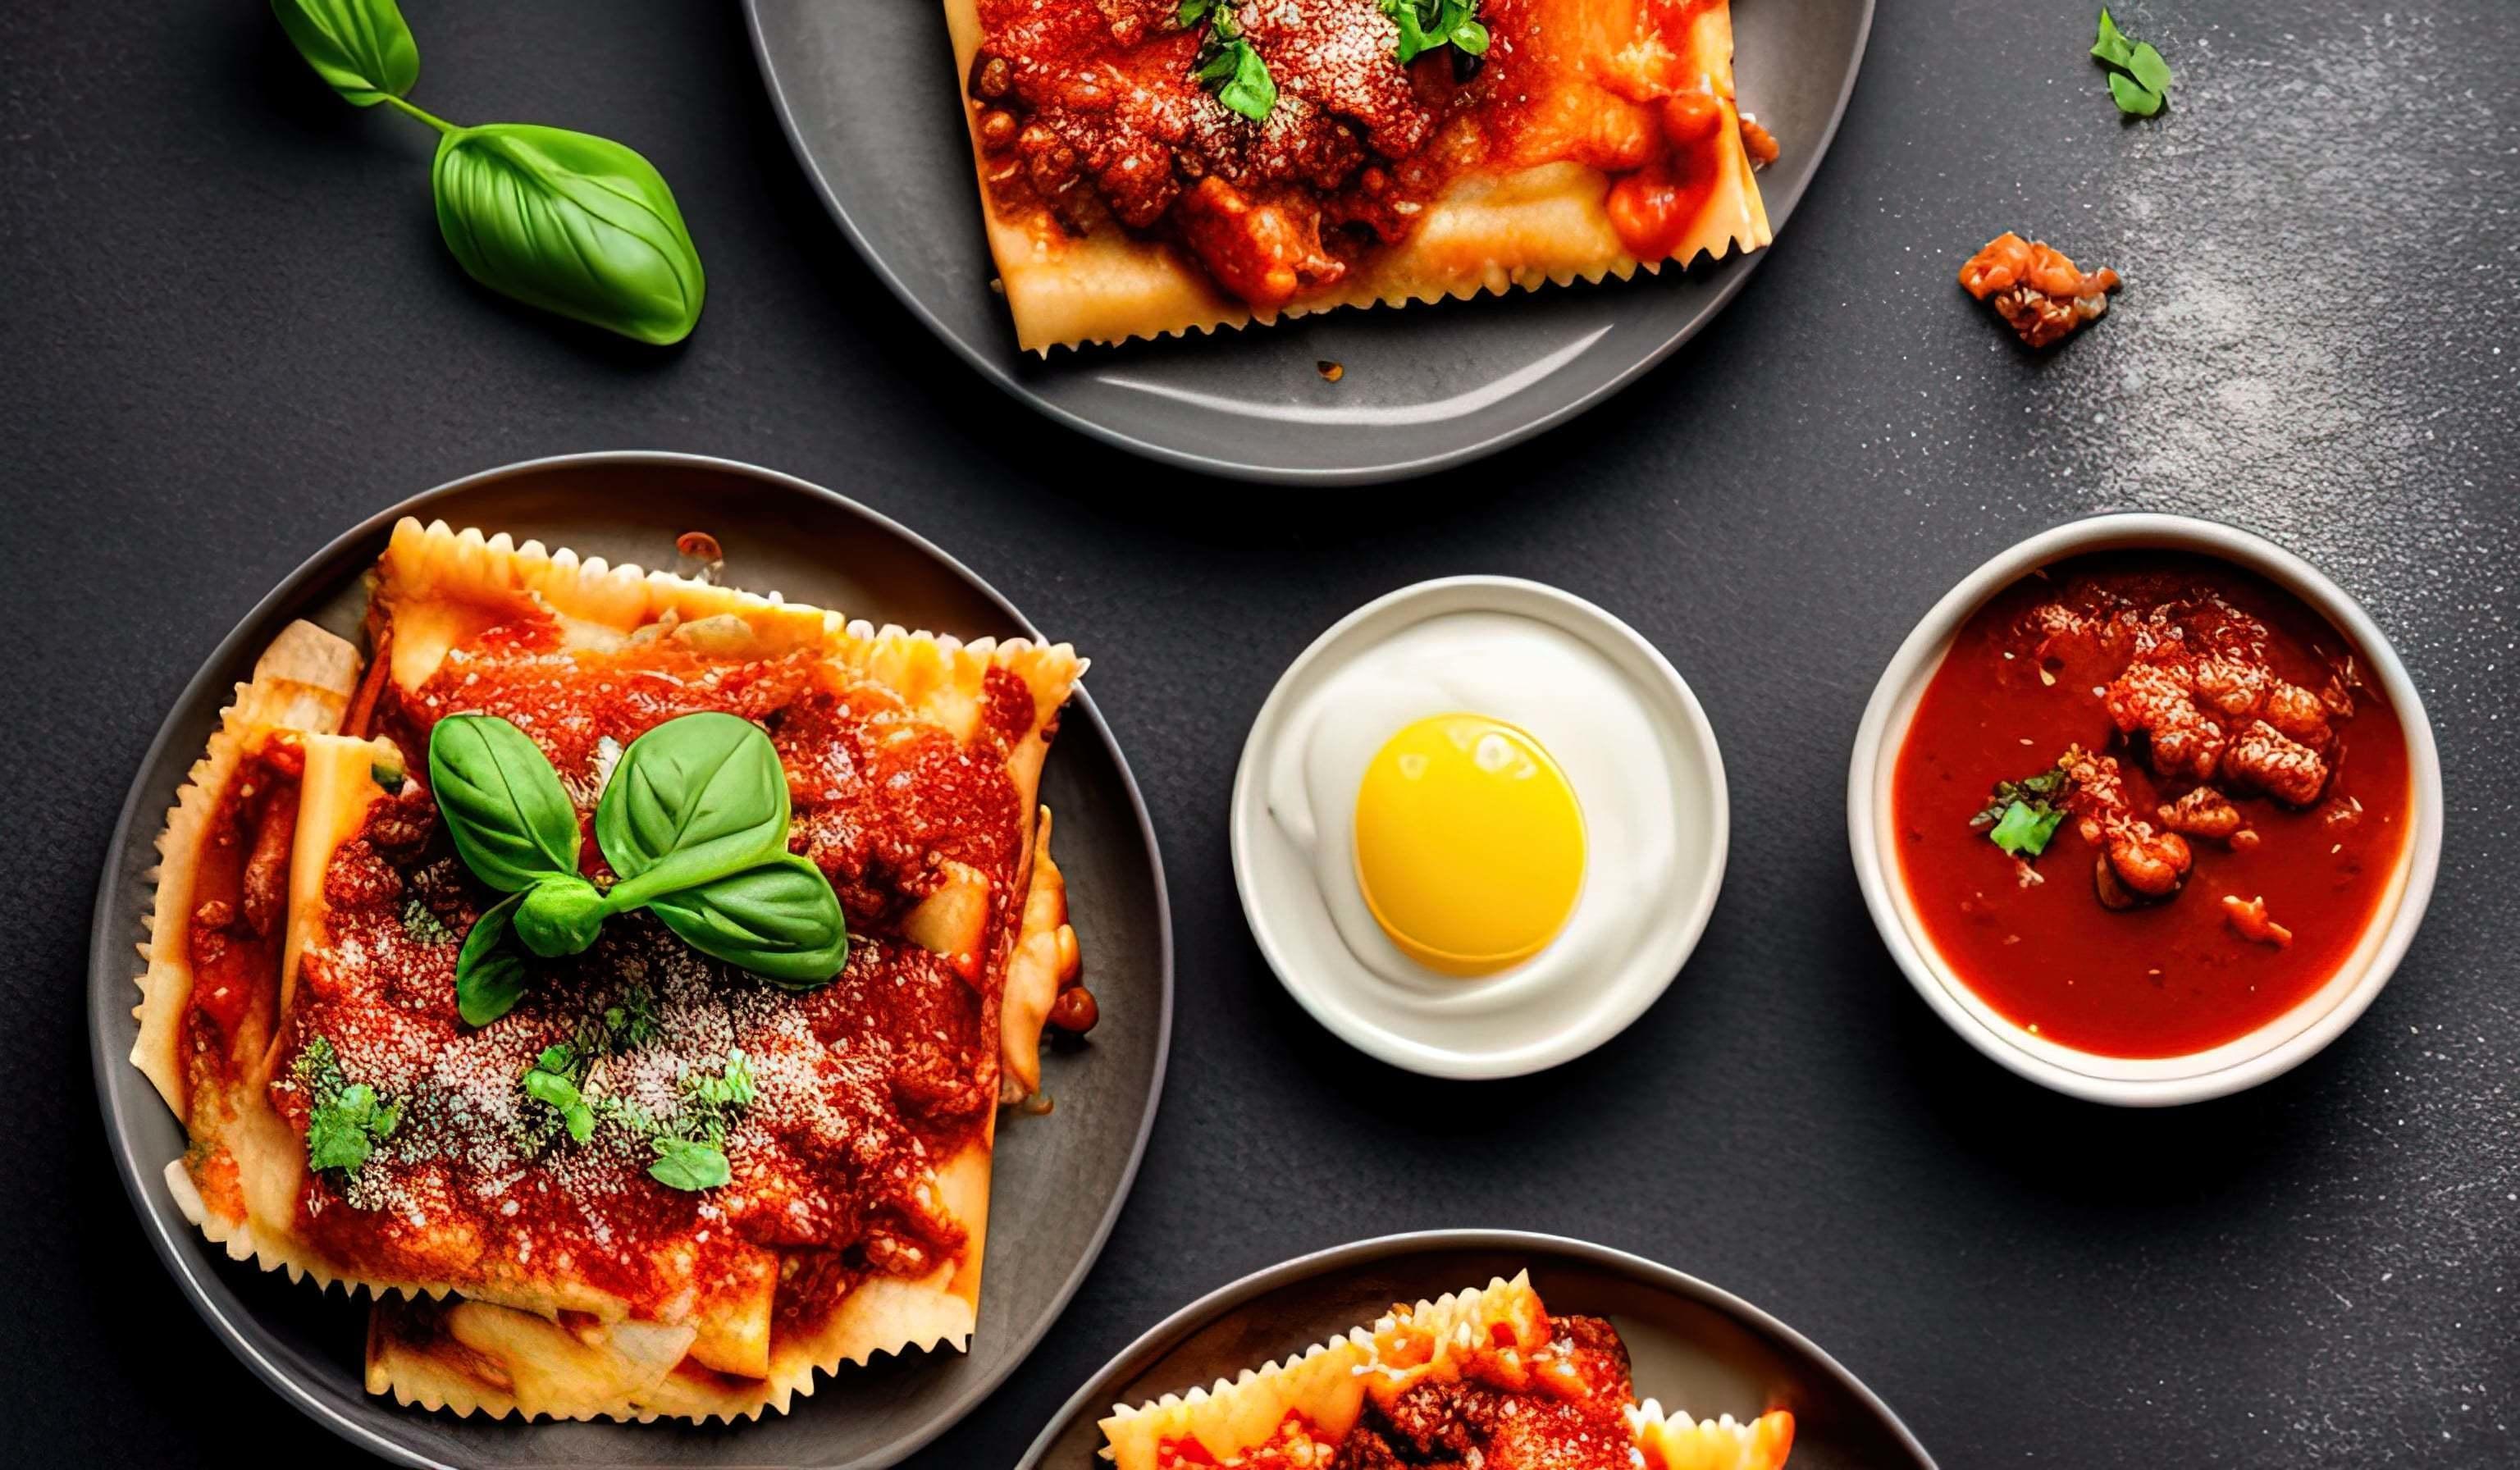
2030	675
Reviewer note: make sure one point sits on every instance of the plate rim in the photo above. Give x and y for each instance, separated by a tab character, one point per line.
184	1262
1236	1294
998	372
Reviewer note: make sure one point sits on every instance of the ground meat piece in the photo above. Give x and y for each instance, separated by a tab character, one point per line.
2242	689
1758	143
2037	291
2136	863
2201	813
358	878
1569	1419
2098	795
265	882
2151	863
1262	252
2158	699
2267	760
400	826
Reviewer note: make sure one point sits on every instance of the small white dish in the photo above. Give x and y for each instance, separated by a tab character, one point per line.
2272	1049
1519	1020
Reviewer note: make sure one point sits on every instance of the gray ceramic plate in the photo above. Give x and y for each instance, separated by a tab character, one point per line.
1063	1175
1693	1347
870	99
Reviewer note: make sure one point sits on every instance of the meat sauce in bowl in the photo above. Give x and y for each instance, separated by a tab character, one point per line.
2148	803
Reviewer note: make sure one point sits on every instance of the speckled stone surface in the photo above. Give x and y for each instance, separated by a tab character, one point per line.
231	331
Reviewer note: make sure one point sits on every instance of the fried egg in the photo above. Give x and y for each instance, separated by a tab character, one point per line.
1485	806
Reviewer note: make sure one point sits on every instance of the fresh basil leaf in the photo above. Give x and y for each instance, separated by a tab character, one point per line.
780	920
692	799
361	48
689	1165
2132	97
2112	46
572	223
1193	12
489	975
1470	38
502	802
560	916
2148	67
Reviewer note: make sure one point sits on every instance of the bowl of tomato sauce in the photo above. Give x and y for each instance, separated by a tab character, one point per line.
2146	809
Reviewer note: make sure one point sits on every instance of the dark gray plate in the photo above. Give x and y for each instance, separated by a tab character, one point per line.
1060	1177
1693	1347
869	96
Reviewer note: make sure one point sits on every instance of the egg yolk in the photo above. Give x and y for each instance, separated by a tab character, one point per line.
1469	845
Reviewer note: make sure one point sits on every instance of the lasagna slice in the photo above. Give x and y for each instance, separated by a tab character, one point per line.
1157	166
1484	1378
299	1011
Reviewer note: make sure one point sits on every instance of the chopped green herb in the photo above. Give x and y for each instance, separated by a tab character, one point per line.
2023	815
553	1079
1227	64
731	1087
692	1154
689	1165
2132	98
2023	831
1427	25
2112	46
423	924
386	774
2148	67
2138	78
345	1119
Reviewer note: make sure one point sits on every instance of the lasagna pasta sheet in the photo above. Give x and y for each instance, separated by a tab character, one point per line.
1516	224
483	1332
1326	1389
1327	1383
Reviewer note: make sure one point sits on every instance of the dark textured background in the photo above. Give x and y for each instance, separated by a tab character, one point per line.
230	331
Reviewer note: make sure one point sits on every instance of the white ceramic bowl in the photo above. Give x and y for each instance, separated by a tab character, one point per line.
2151	1081
1493	1027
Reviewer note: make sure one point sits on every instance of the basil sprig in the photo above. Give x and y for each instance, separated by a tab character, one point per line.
694	821
574	224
